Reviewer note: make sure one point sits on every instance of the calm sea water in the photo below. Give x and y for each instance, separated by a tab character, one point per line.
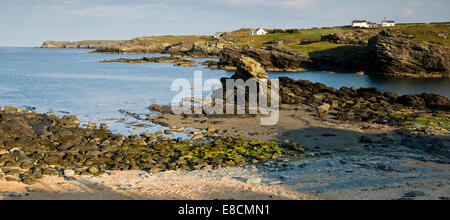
72	81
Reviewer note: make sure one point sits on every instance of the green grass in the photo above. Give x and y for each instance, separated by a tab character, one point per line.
427	32
290	39
310	49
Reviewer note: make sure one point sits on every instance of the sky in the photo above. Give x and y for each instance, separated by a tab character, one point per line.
30	22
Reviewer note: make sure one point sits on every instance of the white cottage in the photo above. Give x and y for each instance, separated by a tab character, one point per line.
259	31
388	24
360	24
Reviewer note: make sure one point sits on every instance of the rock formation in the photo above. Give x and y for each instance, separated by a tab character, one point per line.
249	68
355	38
87	44
272	58
364	104
396	54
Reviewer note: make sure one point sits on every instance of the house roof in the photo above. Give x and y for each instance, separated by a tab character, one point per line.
359	21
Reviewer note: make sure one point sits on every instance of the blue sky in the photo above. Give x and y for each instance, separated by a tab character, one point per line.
30	22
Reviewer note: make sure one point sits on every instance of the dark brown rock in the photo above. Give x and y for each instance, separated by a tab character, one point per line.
272	58
395	54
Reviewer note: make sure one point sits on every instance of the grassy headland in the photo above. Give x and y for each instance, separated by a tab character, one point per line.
304	40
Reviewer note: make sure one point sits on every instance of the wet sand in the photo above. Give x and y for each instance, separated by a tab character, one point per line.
297	123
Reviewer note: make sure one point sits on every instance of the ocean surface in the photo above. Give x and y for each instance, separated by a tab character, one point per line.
72	81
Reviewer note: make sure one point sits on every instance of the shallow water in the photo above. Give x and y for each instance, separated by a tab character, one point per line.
72	81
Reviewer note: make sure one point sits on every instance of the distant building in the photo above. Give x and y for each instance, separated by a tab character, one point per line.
219	34
258	31
360	24
372	24
388	24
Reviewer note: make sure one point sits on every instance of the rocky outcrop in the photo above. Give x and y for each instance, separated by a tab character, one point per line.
272	58
177	61
396	54
88	44
364	104
354	38
357	61
198	46
249	68
206	49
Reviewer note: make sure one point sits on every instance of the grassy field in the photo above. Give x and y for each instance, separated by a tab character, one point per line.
427	32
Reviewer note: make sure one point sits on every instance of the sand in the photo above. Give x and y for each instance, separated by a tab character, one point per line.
223	184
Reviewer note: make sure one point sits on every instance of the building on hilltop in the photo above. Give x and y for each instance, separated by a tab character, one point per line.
360	24
219	34
372	24
258	31
388	23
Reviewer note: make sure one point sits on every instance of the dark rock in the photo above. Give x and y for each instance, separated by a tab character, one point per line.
161	109
395	54
365	140
414	194
412	101
272	58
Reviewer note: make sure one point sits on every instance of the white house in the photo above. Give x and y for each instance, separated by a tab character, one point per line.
219	34
372	24
388	24
360	24
259	31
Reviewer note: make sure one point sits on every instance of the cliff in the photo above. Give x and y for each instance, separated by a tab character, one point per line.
397	54
87	44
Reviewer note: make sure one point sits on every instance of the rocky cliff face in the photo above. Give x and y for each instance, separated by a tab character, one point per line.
249	68
207	49
395	54
192	46
273	58
358	37
87	44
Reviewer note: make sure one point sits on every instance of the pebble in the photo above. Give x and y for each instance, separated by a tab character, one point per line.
11	179
254	181
413	194
93	170
275	183
310	154
14	150
69	173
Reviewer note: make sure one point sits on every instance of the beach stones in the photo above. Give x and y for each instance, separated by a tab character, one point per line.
46	145
69	173
93	170
254	181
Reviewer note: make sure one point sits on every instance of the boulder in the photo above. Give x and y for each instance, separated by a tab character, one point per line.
249	68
